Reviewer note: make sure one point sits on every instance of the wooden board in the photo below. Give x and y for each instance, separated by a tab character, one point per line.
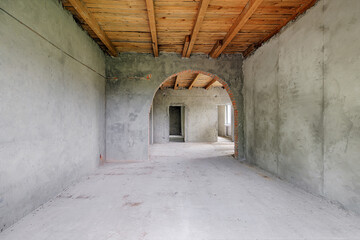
126	23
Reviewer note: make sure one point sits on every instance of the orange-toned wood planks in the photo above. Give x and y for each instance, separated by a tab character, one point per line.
208	26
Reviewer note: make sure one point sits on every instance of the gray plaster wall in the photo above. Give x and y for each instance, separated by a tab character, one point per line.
129	95
201	114
52	105
302	103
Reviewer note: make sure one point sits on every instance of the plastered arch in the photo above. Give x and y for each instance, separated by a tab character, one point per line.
132	81
228	90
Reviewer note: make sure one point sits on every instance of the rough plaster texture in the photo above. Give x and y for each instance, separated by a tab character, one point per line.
302	102
129	95
201	114
52	108
342	102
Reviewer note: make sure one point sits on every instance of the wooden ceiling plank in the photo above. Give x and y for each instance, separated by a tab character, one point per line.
176	85
240	21
152	23
210	84
193	81
199	19
186	45
126	24
93	24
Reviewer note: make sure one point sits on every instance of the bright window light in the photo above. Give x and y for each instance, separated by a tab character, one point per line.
228	114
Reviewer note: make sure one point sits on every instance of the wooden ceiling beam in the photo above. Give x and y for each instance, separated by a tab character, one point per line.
152	23
176	85
199	19
239	23
94	25
216	47
178	22
210	84
193	81
186	45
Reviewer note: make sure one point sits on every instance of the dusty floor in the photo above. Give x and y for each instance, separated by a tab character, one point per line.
224	139
185	191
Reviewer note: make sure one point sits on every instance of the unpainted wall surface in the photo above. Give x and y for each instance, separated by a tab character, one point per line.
201	114
129	95
302	102
52	106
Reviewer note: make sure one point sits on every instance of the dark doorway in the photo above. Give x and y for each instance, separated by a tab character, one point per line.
175	124
175	120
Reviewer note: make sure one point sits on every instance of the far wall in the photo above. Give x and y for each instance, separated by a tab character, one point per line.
201	114
302	103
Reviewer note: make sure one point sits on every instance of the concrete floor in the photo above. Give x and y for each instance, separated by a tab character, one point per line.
186	191
224	139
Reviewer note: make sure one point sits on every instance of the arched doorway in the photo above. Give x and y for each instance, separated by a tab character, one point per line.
188	80
132	81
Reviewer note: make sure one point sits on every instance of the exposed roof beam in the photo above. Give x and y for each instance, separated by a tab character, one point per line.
216	47
186	45
152	23
301	10
199	19
176	85
193	81
240	21
93	24
210	84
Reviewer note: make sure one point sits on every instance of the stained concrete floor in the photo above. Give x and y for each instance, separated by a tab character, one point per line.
186	191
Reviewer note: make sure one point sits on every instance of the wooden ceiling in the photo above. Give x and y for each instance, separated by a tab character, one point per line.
189	80
184	26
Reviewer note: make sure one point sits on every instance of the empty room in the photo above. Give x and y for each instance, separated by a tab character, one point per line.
179	119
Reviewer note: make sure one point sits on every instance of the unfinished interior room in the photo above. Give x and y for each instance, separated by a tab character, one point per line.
179	119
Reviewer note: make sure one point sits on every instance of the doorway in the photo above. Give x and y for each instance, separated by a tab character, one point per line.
197	94
225	123
176	123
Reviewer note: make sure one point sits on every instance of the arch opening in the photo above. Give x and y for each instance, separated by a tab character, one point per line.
199	80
